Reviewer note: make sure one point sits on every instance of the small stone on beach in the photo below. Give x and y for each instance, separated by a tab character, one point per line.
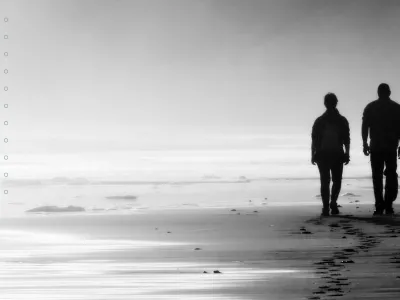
347	261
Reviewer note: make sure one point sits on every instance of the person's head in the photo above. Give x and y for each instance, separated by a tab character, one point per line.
384	90
330	101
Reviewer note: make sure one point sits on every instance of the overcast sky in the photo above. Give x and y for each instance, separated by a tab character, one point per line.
126	73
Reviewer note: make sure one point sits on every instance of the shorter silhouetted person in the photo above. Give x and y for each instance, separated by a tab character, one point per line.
330	133
381	120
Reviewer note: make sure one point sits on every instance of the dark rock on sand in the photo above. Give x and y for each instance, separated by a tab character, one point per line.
347	261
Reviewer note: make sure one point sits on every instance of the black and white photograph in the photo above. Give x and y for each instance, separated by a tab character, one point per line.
199	149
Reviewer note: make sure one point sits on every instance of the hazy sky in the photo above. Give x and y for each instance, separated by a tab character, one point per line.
125	73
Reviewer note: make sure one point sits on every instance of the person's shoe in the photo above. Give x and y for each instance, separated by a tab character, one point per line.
325	212
335	211
389	211
379	208
378	212
334	208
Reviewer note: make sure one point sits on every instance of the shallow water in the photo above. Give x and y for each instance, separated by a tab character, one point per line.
93	197
38	263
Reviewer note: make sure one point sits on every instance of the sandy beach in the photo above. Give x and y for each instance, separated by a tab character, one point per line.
248	251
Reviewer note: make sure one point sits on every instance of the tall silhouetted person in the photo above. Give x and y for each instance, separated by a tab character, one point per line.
330	133
381	120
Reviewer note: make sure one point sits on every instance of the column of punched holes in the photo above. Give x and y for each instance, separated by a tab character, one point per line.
5	91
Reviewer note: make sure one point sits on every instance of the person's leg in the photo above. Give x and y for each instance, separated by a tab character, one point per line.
337	172
325	178
391	186
377	164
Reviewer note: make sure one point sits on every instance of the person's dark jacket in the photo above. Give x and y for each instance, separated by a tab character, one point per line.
382	118
319	126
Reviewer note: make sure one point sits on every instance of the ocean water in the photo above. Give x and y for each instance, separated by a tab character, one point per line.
124	197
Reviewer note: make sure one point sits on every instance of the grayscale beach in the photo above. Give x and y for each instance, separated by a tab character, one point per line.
155	149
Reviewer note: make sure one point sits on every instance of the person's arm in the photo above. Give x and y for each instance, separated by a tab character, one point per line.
398	130
314	141
364	131
346	140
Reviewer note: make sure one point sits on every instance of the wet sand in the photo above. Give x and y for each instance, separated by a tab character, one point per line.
263	252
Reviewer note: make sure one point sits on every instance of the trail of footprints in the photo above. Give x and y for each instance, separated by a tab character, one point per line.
332	269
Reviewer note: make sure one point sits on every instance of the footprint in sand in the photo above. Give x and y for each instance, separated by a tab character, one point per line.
337	266
395	262
324	287
319	292
306	232
333	281
342	257
335	290
334	271
334	225
349	250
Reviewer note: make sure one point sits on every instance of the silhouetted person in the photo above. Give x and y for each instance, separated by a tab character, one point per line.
330	133
381	118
